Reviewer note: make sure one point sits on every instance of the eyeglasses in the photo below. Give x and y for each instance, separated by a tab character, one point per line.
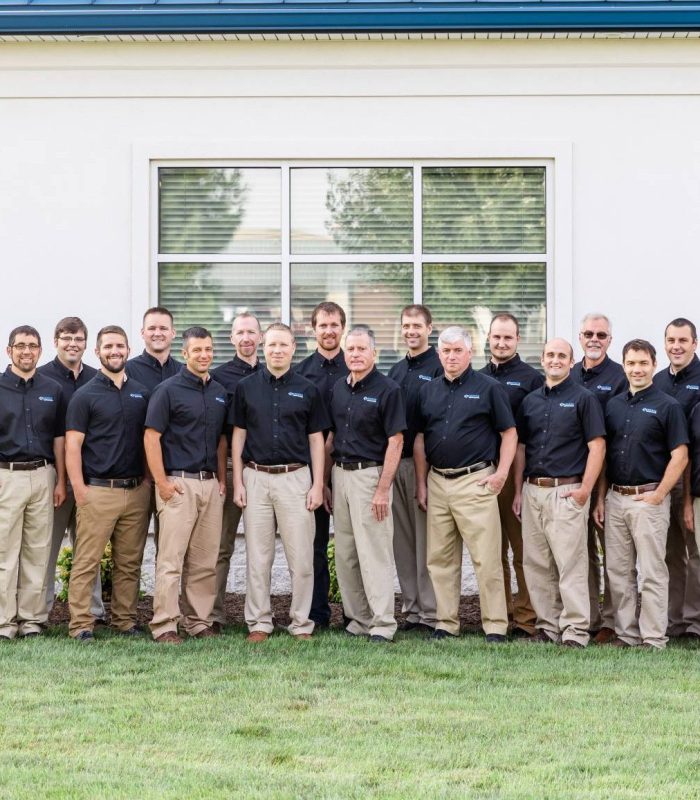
595	334
31	347
72	339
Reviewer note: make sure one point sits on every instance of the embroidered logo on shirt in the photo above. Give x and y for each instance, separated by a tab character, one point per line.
649	410
220	400
693	387
472	396
512	383
567	405
602	388
296	394
136	396
45	398
424	378
369	399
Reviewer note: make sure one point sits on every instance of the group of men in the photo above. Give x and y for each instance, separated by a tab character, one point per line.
558	468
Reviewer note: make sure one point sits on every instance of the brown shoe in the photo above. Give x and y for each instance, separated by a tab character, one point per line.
538	638
258	636
617	642
217	628
572	643
604	636
169	637
205	633
302	635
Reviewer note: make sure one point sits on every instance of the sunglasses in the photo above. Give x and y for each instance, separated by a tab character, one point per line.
597	334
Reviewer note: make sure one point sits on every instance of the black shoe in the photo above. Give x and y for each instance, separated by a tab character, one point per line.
414	626
495	638
572	643
30	635
134	630
85	637
355	635
217	628
4	638
375	638
101	622
519	633
439	634
323	625
539	638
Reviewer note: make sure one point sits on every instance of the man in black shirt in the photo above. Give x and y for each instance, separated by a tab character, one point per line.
562	446
155	364
465	427
420	365
106	466
363	450
245	337
67	369
32	427
646	455
279	419
186	449
518	379
681	380
323	368
604	378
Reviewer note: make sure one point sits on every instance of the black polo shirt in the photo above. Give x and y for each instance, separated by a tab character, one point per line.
147	370
694	450
191	416
642	430
323	372
32	415
555	425
65	377
112	420
411	374
278	415
365	416
605	380
684	385
516	377
462	419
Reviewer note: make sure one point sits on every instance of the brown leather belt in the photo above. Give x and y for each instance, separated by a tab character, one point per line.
458	473
353	465
204	475
630	490
274	469
551	483
115	483
23	466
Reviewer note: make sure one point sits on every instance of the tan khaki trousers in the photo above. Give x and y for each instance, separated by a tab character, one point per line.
410	548
364	555
683	562
519	607
232	516
555	539
462	512
119	516
272	501
605	618
188	546
64	522
635	534
26	520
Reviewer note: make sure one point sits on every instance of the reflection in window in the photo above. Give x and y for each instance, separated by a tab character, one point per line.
212	295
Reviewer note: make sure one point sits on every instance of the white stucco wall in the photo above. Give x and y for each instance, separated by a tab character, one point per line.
620	118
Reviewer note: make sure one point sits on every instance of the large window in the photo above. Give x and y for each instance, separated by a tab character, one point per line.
466	240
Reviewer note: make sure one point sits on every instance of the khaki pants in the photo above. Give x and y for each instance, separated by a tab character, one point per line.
410	548
606	618
232	516
364	557
26	520
119	516
683	562
188	546
635	534
462	512
272	501
519	607
64	522
556	561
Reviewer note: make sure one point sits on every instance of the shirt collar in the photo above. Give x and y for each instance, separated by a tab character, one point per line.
416	361
505	367
459	380
271	379
153	361
195	380
67	372
597	369
244	366
683	373
337	360
635	398
16	379
107	381
364	383
560	387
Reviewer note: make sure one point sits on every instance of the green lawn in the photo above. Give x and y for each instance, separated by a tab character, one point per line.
336	717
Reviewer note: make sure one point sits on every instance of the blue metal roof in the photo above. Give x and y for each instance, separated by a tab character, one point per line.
25	17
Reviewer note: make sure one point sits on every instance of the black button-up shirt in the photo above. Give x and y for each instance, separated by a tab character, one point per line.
32	415
323	372
191	416
65	377
555	425
604	380
462	419
411	374
365	416
694	450
232	372
642	430
684	385
146	369
112	420
516	377
278	415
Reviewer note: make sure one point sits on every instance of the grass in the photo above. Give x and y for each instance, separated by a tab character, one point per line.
336	717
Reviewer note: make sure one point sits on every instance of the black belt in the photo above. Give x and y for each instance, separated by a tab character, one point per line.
115	483
633	490
458	473
274	469
23	466
551	483
353	465
204	475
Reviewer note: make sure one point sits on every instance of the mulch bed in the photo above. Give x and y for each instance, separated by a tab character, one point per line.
468	611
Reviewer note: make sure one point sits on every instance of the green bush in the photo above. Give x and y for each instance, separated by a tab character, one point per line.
334	589
65	564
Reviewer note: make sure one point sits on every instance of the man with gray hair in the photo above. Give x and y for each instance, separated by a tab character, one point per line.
463	452
604	378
